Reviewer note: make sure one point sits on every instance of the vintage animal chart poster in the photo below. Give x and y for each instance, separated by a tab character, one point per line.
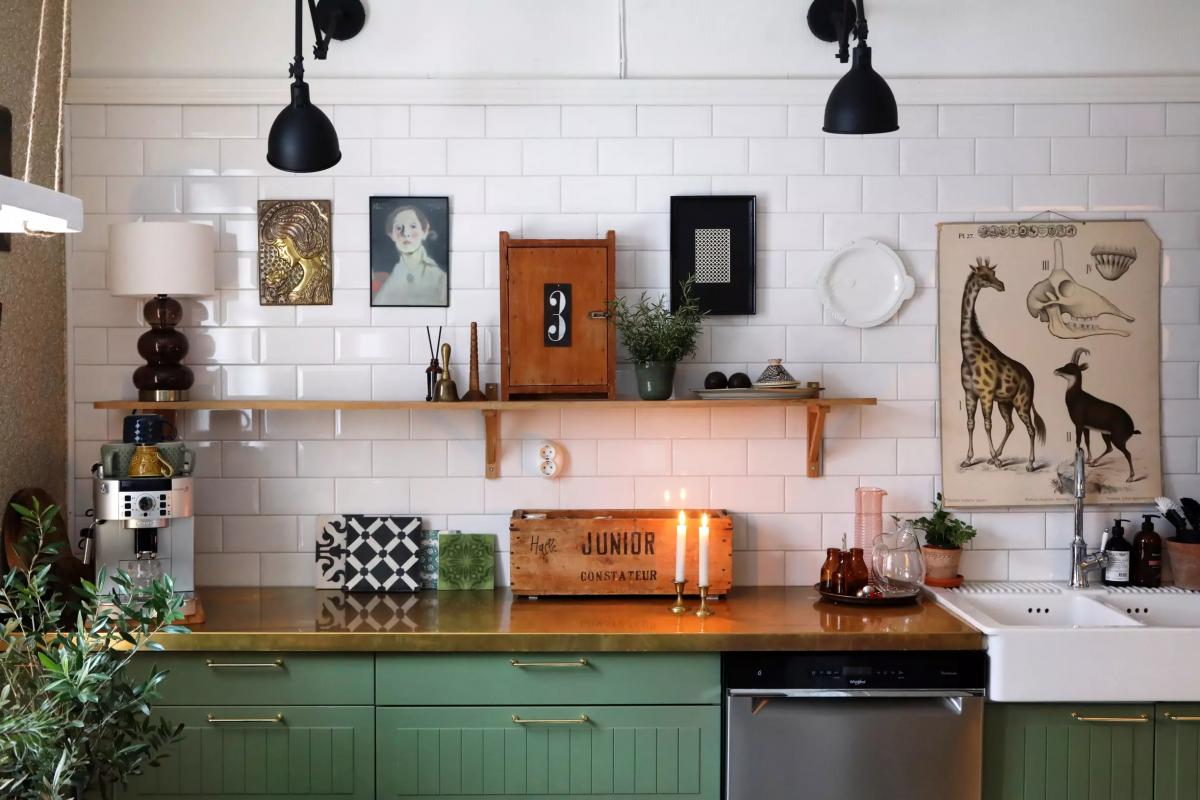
1049	339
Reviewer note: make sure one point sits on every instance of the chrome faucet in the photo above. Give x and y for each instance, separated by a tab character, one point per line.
1081	562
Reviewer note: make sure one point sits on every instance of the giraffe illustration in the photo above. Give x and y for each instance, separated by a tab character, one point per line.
989	376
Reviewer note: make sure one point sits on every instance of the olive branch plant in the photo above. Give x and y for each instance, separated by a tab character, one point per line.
73	720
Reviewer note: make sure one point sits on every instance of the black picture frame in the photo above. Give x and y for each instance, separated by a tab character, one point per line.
431	213
722	228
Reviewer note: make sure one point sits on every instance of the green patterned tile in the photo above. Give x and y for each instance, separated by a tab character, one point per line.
466	560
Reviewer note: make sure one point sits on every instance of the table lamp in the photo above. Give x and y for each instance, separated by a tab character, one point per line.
162	261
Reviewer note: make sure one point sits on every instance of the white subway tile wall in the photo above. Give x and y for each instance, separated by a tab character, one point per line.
550	171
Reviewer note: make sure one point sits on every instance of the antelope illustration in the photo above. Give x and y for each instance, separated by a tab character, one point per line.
989	376
1090	413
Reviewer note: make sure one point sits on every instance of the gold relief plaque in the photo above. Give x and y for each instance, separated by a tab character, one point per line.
295	253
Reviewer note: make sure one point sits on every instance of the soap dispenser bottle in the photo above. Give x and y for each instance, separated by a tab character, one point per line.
1118	554
1147	555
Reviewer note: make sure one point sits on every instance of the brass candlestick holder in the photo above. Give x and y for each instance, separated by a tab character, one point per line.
704	610
679	607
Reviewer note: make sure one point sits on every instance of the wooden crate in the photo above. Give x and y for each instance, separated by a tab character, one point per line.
564	286
605	551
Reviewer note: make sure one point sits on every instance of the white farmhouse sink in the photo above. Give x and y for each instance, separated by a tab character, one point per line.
1041	611
1158	610
1049	643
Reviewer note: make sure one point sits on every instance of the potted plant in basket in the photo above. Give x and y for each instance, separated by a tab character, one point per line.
73	722
657	338
944	537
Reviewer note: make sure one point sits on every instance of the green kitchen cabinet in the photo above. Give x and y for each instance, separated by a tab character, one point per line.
1076	751
534	751
230	679
265	752
1177	751
484	679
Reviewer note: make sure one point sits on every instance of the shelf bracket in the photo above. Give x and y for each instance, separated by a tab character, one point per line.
491	448
816	438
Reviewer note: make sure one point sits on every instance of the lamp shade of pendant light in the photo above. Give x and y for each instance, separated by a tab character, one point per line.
302	138
861	102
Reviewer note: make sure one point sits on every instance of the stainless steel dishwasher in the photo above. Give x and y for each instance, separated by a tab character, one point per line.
868	725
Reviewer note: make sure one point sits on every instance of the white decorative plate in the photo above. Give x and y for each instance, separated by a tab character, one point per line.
864	284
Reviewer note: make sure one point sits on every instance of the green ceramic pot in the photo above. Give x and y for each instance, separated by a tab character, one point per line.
655	379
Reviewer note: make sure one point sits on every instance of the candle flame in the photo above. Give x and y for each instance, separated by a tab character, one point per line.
682	519
704	520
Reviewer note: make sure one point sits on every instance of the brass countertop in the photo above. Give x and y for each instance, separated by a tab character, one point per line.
763	618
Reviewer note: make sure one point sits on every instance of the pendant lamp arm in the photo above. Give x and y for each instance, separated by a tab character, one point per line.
296	70
860	26
844	31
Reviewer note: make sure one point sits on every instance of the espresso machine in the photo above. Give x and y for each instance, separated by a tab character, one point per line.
144	526
143	514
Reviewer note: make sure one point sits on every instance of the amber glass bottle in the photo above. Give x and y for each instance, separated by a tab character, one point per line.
859	576
1146	569
833	560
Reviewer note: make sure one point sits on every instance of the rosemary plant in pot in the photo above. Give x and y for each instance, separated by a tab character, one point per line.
944	537
74	721
657	338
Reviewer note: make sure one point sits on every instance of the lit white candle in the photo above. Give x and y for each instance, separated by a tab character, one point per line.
680	547
704	550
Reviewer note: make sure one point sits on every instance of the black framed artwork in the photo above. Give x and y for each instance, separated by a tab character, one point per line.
712	238
410	251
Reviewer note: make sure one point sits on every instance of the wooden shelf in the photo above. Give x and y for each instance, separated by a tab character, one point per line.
816	408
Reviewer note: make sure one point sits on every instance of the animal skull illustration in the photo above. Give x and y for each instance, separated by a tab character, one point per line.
1068	308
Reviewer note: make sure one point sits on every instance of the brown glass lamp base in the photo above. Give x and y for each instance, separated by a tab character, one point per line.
163	377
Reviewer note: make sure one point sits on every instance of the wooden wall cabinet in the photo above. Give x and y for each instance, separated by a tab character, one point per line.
555	335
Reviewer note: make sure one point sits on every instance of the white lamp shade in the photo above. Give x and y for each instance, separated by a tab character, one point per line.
150	258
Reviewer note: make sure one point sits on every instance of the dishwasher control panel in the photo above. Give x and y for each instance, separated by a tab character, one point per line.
919	670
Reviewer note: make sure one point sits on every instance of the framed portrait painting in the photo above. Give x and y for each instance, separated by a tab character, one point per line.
712	240
410	251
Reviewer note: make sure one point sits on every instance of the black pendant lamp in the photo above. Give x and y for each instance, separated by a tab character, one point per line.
302	138
861	102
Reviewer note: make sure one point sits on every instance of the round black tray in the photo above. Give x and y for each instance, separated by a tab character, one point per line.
853	600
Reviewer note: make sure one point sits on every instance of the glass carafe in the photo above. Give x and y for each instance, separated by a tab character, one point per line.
868	517
896	560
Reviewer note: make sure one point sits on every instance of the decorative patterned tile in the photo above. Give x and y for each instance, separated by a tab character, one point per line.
382	554
330	552
466	561
430	558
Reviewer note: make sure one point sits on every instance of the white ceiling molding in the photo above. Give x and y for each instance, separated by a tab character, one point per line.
801	91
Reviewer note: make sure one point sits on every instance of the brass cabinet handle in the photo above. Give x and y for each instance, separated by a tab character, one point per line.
276	664
1180	717
275	720
1139	718
582	719
583	662
599	315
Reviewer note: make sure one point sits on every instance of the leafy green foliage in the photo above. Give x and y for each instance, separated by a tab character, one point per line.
71	717
652	333
942	529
